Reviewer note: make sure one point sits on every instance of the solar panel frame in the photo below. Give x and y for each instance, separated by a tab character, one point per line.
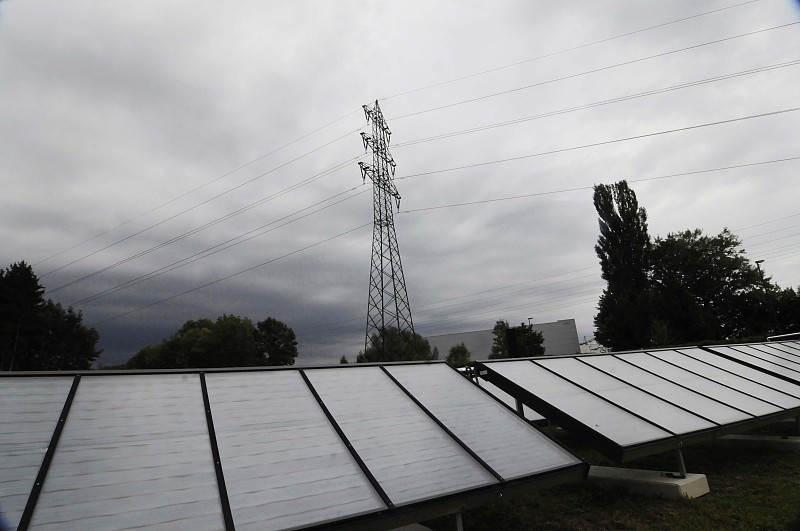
558	416
759	360
146	464
626	452
794	354
510	402
573	469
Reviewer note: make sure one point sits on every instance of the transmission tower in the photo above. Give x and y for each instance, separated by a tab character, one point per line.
387	306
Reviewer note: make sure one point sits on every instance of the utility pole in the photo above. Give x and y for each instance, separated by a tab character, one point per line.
387	305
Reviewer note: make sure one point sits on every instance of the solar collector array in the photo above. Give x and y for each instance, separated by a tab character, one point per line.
298	448
632	404
782	360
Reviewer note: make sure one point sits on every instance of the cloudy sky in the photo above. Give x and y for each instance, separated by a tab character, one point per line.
166	161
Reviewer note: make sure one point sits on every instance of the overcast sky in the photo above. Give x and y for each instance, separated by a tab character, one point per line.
138	135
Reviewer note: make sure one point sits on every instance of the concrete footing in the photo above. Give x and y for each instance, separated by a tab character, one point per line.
650	483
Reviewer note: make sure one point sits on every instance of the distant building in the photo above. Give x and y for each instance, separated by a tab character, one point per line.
591	346
560	337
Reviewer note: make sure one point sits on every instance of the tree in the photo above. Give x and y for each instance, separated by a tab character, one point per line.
64	343
36	334
458	356
787	305
705	288
681	289
396	345
343	360
230	341
499	340
21	298
623	319
515	342
276	342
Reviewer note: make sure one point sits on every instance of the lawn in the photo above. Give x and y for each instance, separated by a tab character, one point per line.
750	489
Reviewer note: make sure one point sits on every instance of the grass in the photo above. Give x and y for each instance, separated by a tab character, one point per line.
750	489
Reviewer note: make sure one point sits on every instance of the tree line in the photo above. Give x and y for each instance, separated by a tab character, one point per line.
38	334
229	341
684	288
42	335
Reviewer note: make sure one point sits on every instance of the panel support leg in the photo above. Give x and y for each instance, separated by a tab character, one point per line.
520	411
681	463
459	522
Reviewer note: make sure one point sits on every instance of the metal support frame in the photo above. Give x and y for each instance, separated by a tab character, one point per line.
520	410
681	474
227	514
387	304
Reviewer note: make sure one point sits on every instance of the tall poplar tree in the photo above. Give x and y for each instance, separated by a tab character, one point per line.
623	320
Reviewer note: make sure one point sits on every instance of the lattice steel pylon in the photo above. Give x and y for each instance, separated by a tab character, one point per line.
387	305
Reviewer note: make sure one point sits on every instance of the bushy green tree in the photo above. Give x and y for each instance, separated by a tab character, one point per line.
36	334
396	345
499	340
705	287
515	342
230	341
276	342
459	355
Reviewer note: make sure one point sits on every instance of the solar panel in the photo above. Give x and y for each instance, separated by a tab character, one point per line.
761	358
135	451
262	449
409	455
39	402
632	404
284	464
510	401
505	442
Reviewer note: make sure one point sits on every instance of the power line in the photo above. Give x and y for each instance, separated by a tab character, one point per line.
593	71
339	324
472	301
439	84
199	204
770	232
254	233
217	281
598	104
774	239
216	221
767	222
162	205
516	306
517	284
577	188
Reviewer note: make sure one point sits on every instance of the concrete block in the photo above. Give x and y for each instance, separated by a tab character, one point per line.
650	483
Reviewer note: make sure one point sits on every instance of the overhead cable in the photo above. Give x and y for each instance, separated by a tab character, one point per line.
229	190
189	192
592	71
232	242
566	50
216	221
217	281
597	104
